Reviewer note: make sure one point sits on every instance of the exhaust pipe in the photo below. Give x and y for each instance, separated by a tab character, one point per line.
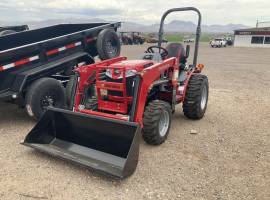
106	145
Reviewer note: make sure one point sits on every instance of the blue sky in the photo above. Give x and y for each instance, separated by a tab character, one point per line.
141	11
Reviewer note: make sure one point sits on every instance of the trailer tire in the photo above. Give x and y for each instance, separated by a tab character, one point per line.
157	121
42	93
7	32
108	44
196	98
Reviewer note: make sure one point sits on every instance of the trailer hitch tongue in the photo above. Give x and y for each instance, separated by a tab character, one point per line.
106	145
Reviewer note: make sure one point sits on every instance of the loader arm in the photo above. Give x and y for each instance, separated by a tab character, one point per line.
87	75
148	77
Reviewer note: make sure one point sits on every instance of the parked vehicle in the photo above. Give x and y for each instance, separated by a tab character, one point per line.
130	38
229	41
218	42
7	30
138	38
126	38
35	65
189	40
115	100
153	39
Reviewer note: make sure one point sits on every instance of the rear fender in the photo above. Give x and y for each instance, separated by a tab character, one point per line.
190	73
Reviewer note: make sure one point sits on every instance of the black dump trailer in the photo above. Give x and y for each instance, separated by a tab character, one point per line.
35	65
7	30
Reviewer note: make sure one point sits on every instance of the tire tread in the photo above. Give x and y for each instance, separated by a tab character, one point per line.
191	104
151	122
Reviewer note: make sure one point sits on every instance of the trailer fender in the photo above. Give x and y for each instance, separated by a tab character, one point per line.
24	79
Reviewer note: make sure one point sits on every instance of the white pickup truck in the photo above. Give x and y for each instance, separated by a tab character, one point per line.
218	42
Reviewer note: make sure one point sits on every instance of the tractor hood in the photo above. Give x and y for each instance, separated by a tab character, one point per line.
137	65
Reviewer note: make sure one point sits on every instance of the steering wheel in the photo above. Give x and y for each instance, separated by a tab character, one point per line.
163	52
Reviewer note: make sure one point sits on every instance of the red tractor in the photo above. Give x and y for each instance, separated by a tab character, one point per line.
111	102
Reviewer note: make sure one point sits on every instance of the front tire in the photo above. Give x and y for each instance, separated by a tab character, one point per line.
157	121
42	93
196	98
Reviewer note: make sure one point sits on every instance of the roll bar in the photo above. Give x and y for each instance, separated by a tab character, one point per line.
198	31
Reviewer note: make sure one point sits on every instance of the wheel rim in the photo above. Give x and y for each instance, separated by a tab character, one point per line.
164	123
111	47
204	97
48	99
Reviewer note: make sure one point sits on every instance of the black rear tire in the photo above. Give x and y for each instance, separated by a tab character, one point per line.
108	44
196	98
151	120
42	93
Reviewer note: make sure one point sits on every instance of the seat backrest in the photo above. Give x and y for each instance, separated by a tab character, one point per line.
177	50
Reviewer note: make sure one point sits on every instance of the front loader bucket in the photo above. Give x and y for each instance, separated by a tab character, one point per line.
106	145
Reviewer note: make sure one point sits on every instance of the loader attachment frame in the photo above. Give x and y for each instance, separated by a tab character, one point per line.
103	144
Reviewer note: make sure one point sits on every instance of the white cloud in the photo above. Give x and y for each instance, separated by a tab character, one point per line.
142	11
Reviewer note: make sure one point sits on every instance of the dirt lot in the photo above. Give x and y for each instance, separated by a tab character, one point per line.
229	158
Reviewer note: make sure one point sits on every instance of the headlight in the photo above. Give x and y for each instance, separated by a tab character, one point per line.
131	73
118	73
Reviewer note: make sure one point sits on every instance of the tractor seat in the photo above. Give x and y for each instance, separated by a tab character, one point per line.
177	50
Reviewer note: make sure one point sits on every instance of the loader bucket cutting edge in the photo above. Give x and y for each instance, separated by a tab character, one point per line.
106	145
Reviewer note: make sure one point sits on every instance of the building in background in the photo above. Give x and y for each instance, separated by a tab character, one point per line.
252	37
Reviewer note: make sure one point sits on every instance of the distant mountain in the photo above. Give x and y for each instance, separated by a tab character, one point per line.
223	28
183	26
173	26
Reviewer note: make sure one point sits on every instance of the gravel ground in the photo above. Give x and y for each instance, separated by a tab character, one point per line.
229	158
